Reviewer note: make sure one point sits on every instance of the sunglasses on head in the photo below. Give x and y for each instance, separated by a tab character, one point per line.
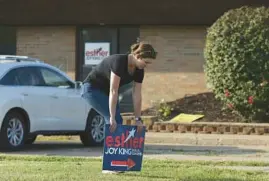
152	54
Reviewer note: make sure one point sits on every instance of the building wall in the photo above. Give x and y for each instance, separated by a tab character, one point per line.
55	45
178	70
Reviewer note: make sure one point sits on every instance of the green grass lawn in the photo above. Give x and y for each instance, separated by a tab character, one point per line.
52	168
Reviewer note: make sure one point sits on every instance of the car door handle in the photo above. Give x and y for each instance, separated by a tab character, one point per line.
55	97
24	94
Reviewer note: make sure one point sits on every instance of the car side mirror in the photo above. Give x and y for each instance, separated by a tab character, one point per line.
78	84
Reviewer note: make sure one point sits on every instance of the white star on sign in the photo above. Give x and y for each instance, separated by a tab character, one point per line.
131	134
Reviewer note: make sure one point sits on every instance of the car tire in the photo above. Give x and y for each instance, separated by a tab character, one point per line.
13	123
30	140
94	132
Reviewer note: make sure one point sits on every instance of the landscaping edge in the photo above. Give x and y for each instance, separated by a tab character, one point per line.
153	125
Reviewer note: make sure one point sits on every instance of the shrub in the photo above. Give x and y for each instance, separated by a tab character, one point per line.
165	110
237	61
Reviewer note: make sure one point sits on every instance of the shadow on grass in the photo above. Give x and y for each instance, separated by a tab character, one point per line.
185	178
148	176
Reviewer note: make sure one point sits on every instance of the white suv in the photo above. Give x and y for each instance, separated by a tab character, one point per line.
39	99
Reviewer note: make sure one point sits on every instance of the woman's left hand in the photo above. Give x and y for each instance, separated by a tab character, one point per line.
139	126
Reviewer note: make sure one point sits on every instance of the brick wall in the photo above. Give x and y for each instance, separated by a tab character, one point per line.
55	45
178	70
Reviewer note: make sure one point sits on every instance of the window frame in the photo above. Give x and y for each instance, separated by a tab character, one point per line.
37	70
16	70
68	82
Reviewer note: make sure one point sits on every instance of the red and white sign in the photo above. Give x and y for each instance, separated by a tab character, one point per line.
128	163
96	52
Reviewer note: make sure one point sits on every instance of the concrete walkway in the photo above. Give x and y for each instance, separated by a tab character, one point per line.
174	146
206	147
208	139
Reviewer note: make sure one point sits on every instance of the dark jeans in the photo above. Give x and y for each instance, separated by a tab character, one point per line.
100	102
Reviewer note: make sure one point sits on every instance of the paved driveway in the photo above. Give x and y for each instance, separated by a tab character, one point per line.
173	146
154	150
65	148
161	151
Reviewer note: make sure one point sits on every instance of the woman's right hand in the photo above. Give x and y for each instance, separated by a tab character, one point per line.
113	125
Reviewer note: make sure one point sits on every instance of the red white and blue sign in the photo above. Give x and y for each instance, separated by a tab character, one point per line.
123	149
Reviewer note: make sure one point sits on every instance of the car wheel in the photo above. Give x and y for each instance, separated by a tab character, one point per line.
30	140
13	131
95	130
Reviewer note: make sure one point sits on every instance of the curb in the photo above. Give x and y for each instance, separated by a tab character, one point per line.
174	141
153	125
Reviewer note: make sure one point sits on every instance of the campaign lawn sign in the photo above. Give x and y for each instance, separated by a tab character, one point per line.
123	149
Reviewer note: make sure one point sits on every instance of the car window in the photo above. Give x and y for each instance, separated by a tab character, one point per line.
23	76
11	78
54	79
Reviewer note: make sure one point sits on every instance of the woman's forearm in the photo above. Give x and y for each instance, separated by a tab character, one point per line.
137	100
113	99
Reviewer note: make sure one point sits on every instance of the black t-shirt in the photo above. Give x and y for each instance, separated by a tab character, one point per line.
99	77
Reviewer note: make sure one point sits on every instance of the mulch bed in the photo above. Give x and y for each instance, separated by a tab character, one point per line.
204	103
